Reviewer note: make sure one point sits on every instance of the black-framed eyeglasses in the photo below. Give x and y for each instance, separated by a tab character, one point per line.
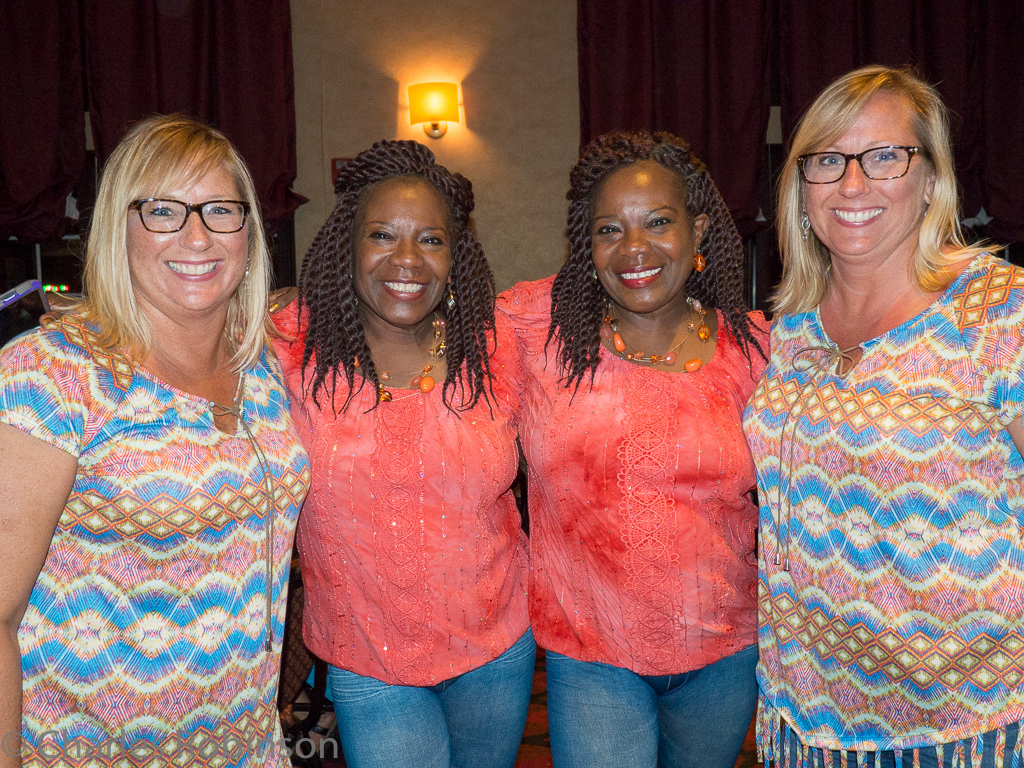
161	215
878	164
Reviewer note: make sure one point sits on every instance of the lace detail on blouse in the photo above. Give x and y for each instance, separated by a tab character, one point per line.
397	499
648	515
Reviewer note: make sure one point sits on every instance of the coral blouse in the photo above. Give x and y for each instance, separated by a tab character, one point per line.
414	563
641	524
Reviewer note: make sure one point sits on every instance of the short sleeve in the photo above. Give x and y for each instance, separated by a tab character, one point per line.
1003	356
43	388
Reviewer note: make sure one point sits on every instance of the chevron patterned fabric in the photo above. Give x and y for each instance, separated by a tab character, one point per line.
144	640
897	498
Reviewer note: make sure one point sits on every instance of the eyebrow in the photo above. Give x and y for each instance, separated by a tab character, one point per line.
379	222
653	210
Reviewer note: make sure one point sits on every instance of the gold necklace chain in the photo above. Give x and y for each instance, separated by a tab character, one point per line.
422	380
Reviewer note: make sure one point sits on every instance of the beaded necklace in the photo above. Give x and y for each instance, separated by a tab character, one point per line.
423	380
610	331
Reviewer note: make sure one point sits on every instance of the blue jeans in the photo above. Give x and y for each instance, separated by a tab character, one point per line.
605	716
475	720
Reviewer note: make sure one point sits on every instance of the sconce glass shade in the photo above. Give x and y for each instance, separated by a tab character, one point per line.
434	104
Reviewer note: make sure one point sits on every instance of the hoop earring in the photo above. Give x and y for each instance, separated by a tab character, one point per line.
805	225
699	261
450	301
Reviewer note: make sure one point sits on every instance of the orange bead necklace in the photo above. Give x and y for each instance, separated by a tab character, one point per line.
423	380
610	332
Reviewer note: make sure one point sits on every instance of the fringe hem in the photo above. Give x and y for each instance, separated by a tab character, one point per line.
779	746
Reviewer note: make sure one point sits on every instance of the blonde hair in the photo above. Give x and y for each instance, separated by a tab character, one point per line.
805	263
158	154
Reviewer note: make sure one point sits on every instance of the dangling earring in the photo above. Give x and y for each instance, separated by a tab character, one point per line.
699	262
805	225
450	301
593	275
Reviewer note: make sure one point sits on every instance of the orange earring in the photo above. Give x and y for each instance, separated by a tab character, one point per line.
699	262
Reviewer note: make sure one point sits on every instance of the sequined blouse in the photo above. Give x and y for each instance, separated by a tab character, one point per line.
414	562
641	524
895	497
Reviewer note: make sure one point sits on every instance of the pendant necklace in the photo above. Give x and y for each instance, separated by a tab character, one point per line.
610	332
423	380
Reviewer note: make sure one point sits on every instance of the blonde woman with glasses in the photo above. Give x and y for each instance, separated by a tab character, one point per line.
150	480
887	437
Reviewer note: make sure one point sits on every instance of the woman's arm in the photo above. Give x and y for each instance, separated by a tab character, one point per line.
35	482
1016	430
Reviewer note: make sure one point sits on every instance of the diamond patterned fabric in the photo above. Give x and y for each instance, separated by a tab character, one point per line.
897	497
143	643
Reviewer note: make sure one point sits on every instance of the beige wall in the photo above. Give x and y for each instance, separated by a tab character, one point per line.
515	62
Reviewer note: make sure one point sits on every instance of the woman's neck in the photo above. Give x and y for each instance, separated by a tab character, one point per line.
655	330
402	353
863	304
381	334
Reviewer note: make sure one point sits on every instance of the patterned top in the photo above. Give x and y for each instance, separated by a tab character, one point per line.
413	560
146	629
641	528
898	499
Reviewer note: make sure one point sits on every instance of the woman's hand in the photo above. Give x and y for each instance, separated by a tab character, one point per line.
35	483
1016	430
282	297
60	305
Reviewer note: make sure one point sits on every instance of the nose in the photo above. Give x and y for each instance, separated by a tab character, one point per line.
636	241
194	233
406	253
854	182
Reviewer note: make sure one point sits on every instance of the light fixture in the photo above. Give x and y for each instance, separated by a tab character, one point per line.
434	105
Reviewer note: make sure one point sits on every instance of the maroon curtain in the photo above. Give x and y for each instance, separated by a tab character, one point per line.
703	69
969	49
697	68
227	63
1002	116
42	116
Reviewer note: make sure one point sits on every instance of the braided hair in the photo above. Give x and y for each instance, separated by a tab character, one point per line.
335	339
578	300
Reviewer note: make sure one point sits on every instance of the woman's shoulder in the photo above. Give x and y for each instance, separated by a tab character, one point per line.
289	338
759	326
63	345
527	304
988	290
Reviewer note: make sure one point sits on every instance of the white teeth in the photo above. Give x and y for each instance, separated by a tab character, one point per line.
404	287
184	268
857	216
640	275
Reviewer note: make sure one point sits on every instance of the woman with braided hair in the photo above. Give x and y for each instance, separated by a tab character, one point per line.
636	361
413	559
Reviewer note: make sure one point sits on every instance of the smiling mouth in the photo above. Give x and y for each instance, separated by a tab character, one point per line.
640	275
856	217
405	287
184	268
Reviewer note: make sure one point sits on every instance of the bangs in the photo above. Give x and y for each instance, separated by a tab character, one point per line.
172	163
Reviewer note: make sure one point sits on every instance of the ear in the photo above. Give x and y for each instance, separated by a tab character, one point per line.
929	188
700	224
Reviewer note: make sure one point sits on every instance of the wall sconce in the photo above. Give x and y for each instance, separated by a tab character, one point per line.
434	105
